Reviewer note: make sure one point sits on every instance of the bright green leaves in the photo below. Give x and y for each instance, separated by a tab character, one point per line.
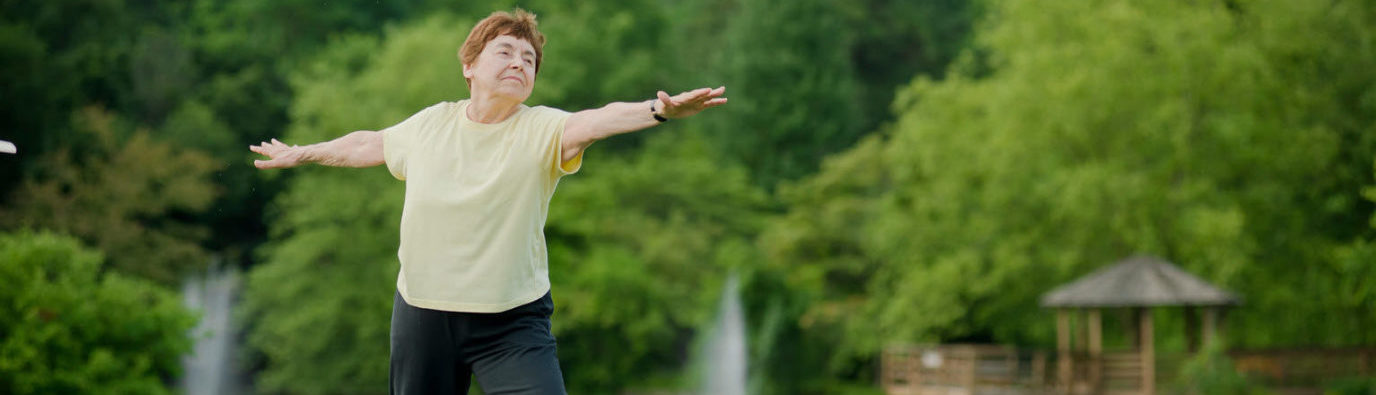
66	327
1098	131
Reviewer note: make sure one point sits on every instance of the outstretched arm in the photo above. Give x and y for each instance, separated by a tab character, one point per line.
587	126
358	149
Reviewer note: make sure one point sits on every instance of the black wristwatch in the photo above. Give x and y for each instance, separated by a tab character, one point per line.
659	118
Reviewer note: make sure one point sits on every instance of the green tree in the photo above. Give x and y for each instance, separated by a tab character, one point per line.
588	64
244	53
809	78
787	66
1211	372
639	247
128	196
1230	139
895	41
1351	293
53	67
66	327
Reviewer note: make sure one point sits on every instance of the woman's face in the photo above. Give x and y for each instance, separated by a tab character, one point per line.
505	68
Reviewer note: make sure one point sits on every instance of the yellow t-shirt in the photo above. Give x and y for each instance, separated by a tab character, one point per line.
477	196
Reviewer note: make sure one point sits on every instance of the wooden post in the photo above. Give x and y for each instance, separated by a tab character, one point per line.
1078	346
971	365
1039	371
1063	349
1096	347
1148	352
918	376
1080	326
1210	329
1192	329
1011	361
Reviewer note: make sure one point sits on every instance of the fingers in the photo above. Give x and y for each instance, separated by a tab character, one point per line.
274	163
695	96
707	98
692	95
664	100
701	95
270	149
264	149
711	92
691	102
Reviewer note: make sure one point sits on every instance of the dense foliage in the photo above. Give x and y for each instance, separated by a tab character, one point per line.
1235	141
886	171
66	328
128	193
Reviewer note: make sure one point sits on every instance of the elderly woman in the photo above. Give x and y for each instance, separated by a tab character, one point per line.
473	293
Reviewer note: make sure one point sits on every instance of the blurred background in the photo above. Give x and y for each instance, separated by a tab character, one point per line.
888	172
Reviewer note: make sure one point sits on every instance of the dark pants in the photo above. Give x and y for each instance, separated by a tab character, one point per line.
436	352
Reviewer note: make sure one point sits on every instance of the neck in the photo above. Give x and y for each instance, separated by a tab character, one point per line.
489	109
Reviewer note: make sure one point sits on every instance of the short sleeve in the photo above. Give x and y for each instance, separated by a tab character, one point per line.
398	140
552	121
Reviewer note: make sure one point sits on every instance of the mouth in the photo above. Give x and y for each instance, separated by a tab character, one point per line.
513	78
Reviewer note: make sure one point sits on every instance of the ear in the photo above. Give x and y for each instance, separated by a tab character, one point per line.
467	72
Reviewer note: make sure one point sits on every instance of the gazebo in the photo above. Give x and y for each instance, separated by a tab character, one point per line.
1137	284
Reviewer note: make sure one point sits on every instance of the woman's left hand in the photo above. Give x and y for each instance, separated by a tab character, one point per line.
688	103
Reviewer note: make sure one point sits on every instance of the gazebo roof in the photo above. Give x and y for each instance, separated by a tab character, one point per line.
1138	281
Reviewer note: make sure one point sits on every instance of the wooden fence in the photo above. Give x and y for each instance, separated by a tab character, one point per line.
995	370
963	370
1303	371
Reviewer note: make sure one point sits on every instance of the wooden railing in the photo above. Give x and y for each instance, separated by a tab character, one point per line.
993	369
963	370
1303	370
1122	372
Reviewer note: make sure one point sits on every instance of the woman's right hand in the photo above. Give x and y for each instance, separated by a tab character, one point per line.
280	155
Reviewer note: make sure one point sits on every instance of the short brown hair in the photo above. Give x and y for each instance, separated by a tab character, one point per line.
519	24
